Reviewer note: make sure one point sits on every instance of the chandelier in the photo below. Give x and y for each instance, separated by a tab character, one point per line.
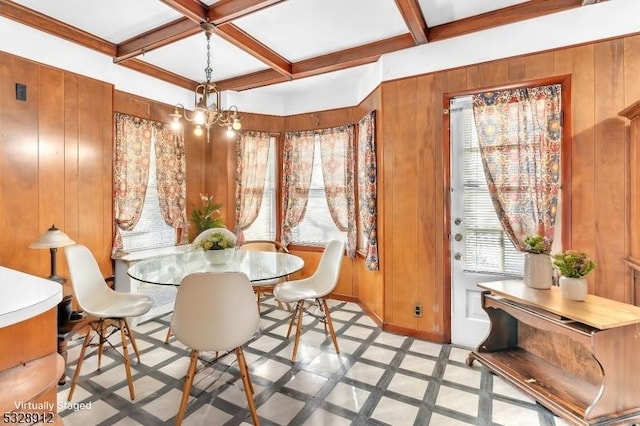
207	100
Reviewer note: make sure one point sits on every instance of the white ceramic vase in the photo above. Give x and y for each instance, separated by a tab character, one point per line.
538	272
573	288
218	257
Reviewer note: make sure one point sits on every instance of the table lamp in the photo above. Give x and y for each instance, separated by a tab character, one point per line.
52	239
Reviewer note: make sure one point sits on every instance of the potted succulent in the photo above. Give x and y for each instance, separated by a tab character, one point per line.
538	272
218	248
573	266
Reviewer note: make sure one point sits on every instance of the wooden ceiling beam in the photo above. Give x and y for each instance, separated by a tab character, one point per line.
33	19
158	37
413	17
159	73
226	10
244	41
192	9
347	58
519	12
251	81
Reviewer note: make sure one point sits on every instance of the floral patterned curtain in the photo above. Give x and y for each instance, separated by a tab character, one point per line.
520	134
338	163
297	165
131	173
367	189
252	154
171	175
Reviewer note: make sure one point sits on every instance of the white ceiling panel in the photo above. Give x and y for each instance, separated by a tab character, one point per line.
188	57
437	12
113	20
301	29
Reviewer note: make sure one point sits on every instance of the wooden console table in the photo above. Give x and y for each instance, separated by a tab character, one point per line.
581	360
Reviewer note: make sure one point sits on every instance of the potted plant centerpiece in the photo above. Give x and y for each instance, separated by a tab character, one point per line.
218	248
573	266
538	272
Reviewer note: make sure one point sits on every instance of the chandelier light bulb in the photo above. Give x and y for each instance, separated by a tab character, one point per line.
236	124
198	130
230	132
175	125
198	116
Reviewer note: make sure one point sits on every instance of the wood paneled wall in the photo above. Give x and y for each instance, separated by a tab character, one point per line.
56	153
55	163
603	81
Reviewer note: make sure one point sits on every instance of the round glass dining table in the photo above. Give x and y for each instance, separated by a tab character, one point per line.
259	266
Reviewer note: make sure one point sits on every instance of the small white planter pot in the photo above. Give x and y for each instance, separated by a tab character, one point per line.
573	288
538	272
218	257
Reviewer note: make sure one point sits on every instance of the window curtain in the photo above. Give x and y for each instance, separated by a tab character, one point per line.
520	134
171	169
297	163
131	173
367	189
252	154
338	168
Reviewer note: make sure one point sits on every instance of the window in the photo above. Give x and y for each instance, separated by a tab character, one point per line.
264	227
488	249
151	231
317	226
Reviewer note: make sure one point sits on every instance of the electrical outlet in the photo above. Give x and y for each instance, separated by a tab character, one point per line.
417	310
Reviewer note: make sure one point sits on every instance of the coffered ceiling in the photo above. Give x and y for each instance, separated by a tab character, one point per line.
260	43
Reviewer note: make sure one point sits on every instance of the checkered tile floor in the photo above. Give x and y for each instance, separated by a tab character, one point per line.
379	378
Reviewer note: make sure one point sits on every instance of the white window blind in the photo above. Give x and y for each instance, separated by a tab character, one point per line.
317	227
264	227
151	231
488	249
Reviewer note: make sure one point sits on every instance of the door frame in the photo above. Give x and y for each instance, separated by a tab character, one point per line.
565	189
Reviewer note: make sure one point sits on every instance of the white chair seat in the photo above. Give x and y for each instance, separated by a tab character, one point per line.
119	305
292	291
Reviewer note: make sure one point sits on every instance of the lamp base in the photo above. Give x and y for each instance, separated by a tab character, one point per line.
58	279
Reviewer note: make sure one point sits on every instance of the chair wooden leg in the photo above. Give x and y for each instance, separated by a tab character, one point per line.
327	316
169	333
101	330
248	387
299	310
293	317
188	382
132	339
87	340
125	355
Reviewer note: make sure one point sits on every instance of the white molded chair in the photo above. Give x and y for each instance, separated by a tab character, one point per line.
202	236
317	286
266	245
107	309
215	311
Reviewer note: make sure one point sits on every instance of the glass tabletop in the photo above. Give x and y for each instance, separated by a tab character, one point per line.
172	268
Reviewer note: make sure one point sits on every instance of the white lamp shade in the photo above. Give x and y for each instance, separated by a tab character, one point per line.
53	238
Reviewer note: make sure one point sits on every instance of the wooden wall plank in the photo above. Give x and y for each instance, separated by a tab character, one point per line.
50	160
19	224
610	169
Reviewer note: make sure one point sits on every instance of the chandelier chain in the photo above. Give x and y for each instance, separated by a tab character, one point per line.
208	69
